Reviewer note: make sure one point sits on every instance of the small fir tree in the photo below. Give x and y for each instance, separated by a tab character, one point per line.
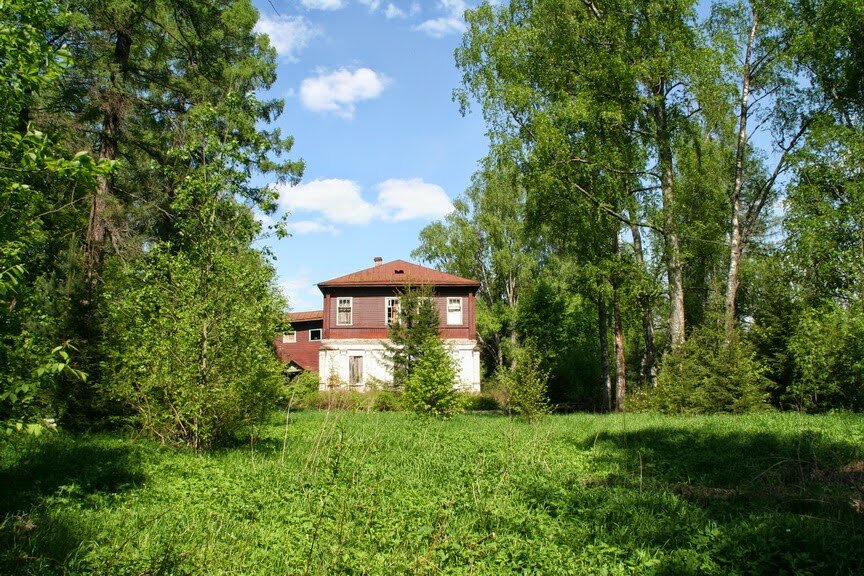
416	321
430	388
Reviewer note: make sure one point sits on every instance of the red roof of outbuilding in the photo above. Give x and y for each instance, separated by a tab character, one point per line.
305	316
398	273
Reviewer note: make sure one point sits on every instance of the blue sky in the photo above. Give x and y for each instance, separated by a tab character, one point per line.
368	97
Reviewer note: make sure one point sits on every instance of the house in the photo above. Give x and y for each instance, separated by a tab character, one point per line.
344	342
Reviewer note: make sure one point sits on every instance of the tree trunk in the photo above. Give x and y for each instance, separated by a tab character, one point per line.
620	361
671	243
113	98
649	356
605	376
735	236
618	329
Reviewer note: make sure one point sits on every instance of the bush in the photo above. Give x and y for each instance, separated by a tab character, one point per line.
387	401
301	386
484	402
524	387
431	387
828	348
708	375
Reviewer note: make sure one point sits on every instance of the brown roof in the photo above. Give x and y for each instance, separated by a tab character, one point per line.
398	273
305	316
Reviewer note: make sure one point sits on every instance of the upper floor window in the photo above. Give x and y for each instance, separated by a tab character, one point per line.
289	337
314	334
391	310
343	311
454	311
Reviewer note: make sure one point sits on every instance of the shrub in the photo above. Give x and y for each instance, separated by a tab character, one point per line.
480	402
828	348
707	375
524	386
387	401
301	386
431	387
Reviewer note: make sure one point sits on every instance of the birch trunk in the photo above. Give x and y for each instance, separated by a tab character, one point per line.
735	235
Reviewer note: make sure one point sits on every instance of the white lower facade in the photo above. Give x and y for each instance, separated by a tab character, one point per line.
362	365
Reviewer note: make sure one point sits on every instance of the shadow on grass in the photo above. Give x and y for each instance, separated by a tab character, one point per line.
45	484
705	501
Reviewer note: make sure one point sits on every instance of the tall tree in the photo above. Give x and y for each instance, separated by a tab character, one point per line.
485	238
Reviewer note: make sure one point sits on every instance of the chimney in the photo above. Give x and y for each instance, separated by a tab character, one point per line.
378	260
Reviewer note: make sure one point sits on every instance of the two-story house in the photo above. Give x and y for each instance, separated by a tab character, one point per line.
344	342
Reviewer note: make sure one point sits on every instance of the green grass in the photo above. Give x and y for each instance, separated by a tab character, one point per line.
388	493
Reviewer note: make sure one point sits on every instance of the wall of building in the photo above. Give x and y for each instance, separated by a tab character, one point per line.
335	359
369	318
303	352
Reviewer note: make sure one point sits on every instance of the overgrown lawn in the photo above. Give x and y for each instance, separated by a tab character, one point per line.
387	493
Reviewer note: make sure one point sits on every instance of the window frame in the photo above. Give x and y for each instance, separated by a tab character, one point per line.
320	334
350	300
289	337
388	306
461	311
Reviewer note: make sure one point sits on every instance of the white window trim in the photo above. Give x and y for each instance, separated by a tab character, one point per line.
289	337
461	312
350	300
320	334
388	300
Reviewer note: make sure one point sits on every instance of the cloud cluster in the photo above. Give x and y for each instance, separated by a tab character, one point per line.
450	23
288	34
339	91
339	201
323	4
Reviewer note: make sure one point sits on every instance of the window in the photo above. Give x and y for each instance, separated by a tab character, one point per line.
289	337
391	310
454	311
314	334
343	312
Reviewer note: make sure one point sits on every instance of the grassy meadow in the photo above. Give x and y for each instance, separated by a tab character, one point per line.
388	493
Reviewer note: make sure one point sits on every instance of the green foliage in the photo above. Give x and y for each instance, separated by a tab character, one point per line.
485	237
418	321
484	402
191	354
40	181
828	348
431	387
376	493
192	320
709	375
524	387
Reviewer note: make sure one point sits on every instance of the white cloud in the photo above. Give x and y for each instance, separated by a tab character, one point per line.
311	227
412	199
450	23
393	11
323	4
288	34
339	91
339	201
372	4
335	199
301	292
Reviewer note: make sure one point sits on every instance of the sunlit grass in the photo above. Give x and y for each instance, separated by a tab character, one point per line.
386	493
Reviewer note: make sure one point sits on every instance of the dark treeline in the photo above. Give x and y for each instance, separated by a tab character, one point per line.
671	213
130	290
